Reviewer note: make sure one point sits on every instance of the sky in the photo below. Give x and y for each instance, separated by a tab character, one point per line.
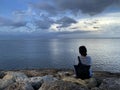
60	18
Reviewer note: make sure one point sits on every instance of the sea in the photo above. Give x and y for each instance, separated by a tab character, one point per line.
59	53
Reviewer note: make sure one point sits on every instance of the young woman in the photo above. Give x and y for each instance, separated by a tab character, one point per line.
83	69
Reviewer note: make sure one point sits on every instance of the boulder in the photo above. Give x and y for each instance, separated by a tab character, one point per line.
2	74
48	78
90	83
36	82
75	80
110	84
61	85
19	86
15	76
5	83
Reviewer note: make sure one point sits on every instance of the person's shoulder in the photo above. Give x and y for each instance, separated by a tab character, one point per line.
89	60
89	57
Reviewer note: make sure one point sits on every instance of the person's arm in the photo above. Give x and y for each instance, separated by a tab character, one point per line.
79	61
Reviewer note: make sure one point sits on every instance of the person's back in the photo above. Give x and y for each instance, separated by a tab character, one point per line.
83	69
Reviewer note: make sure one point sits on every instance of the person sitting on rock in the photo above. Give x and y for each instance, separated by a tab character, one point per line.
83	69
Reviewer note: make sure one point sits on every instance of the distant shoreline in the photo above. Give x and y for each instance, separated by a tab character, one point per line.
15	38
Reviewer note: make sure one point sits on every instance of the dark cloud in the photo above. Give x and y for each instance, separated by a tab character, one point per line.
86	6
74	32
44	6
44	23
5	21
90	7
18	24
66	21
10	23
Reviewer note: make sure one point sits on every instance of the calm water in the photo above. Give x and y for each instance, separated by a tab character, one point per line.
59	53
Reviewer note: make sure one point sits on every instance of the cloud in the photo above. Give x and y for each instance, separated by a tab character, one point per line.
66	21
4	22
44	6
90	7
43	23
74	32
59	16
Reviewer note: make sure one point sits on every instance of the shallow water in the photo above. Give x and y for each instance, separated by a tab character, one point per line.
59	53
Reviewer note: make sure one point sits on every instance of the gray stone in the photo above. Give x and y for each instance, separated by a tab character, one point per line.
48	78
91	82
2	74
5	83
61	85
110	84
36	82
19	86
16	76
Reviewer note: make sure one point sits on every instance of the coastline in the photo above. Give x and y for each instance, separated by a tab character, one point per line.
54	71
41	79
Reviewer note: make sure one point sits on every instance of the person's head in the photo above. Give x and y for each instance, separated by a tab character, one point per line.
83	50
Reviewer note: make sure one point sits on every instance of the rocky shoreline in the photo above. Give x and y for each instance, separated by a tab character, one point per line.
57	79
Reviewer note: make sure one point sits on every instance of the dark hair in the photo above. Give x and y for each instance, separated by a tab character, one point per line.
83	50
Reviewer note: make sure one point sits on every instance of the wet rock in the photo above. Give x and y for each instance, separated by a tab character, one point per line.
61	85
110	84
20	86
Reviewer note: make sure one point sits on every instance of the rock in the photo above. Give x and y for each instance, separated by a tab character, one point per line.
15	76
62	74
75	80
5	83
10	78
48	78
110	84
19	86
39	72
90	83
95	88
2	74
61	85
36	82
